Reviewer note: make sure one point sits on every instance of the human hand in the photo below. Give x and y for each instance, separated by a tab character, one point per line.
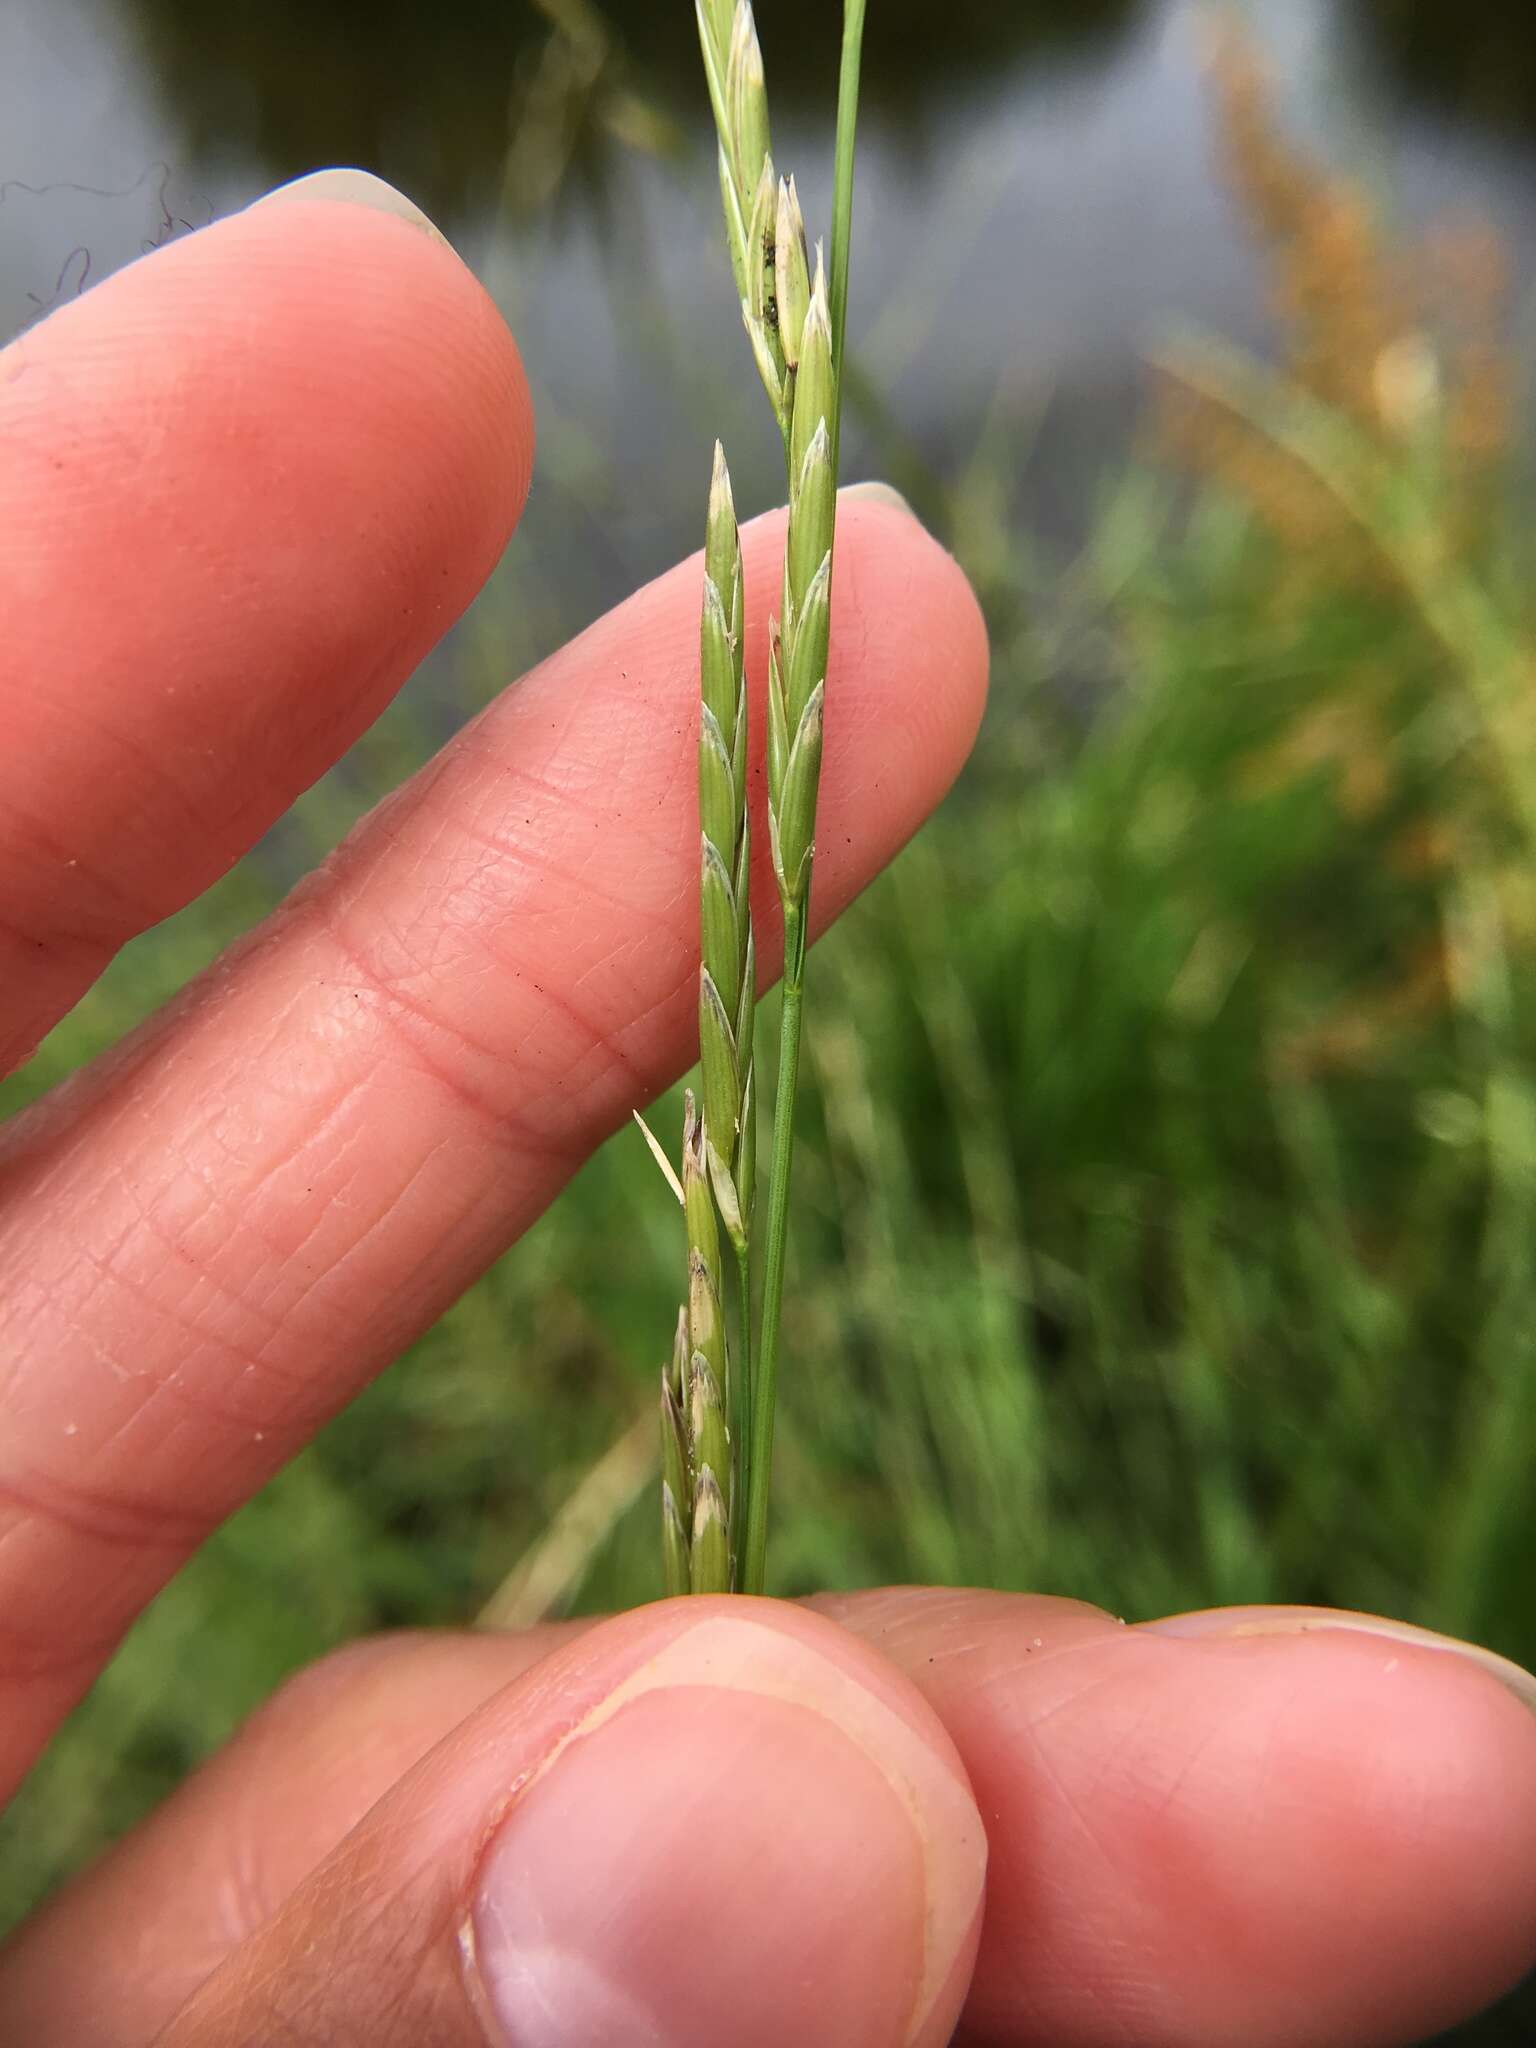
246	485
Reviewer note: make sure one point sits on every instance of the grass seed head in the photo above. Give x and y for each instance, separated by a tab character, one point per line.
708	1440
746	99
703	1237
810	515
722	543
675	1547
706	1325
769	363
717	783
717	660
792	281
761	238
808	657
720	1070
794	817
716	18
815	386
721	938
674	1448
710	1559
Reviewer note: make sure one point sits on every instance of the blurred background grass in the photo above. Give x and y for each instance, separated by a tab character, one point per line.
1169	1178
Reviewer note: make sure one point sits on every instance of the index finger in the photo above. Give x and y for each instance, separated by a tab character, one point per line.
245	485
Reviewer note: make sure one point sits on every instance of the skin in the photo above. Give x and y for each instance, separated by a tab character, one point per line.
247	483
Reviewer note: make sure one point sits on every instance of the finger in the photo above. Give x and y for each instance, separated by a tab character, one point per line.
1288	1840
1248	1906
112	1957
211	1242
247	483
696	1823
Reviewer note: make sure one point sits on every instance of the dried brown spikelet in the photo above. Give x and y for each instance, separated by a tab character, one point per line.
1395	364
1334	284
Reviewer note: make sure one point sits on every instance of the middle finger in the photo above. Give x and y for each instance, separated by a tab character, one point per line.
213	1240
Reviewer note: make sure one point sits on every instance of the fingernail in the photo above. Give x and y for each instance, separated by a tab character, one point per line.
348	187
741	1843
1231	1624
876	493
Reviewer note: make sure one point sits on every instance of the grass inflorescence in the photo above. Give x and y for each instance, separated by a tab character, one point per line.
715	1490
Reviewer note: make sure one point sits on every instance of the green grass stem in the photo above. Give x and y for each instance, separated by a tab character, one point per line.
842	198
765	1378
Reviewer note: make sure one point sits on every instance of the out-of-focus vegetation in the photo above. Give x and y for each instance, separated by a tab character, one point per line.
1168	1195
1477	58
297	84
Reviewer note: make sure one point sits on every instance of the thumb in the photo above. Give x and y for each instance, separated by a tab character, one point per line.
705	1821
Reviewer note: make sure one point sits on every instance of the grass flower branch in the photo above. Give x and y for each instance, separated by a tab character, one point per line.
715	1494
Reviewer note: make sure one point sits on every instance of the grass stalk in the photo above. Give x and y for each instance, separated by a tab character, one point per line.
842	198
742	1377
765	1380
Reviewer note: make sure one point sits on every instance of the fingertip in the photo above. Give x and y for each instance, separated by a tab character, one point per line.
371	289
905	583
349	186
1284	1840
1396	1795
749	1784
1355	1819
253	478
